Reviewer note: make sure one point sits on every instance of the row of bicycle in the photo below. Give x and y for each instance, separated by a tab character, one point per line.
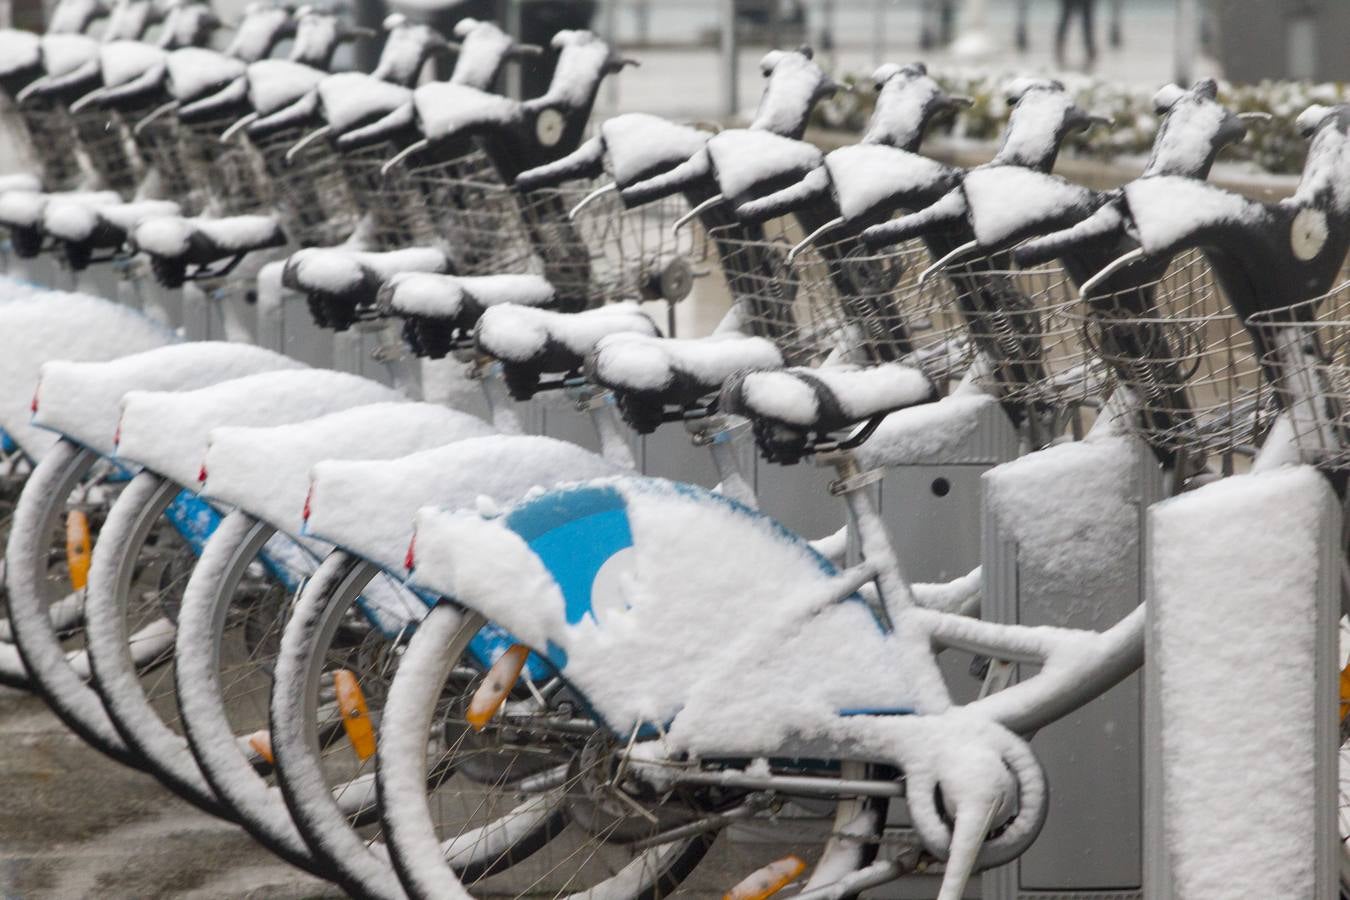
409	650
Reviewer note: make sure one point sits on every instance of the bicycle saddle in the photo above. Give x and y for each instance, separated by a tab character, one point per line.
20	59
655	379
368	507
788	406
341	285
440	311
20	182
82	399
22	212
529	341
84	227
387	430
169	431
174	243
130	70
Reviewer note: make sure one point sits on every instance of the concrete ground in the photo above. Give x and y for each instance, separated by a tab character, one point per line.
76	824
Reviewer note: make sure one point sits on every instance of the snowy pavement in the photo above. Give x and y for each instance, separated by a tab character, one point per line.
77	824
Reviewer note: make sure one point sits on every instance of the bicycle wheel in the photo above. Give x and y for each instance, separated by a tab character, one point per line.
324	770
37	577
229	634
14	471
619	835
141	566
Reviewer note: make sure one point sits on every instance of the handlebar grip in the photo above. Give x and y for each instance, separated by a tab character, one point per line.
945	212
1104	223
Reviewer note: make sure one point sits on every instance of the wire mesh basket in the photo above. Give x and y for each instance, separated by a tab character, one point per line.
395	202
108	148
1019	319
634	252
230	174
51	137
1306	351
839	299
161	148
311	193
1191	367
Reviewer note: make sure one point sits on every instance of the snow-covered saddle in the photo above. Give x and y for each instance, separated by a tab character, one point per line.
788	406
84	227
648	374
440	310
264	470
22	212
341	285
174	243
168	432
529	341
367	506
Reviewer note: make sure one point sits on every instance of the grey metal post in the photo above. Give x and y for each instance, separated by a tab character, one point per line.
731	100
514	84
1185	41
878	32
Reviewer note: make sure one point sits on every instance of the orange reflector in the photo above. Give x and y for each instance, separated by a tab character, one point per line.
496	686
1345	692
261	742
355	714
767	881
79	548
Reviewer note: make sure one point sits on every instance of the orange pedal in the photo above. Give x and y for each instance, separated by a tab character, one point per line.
496	686
767	881
355	714
79	548
1345	692
261	743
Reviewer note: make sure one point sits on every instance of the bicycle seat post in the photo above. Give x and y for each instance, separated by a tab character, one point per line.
722	435
860	490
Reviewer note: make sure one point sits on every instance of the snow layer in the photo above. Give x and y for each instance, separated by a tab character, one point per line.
350	98
1036	123
168	432
482	48
519	333
63	54
368	507
1168	208
443	296
264	471
1233	597
865	175
18	50
83	399
582	58
930	433
1004	199
637	143
444	108
743	158
793	83
860	392
336	271
125	61
277	83
20	182
905	98
1186	136
55	325
645	363
194	71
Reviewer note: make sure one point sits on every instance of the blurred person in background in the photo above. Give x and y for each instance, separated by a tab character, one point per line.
1082	9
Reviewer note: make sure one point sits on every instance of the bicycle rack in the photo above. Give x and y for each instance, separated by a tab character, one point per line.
1093	847
1208	661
